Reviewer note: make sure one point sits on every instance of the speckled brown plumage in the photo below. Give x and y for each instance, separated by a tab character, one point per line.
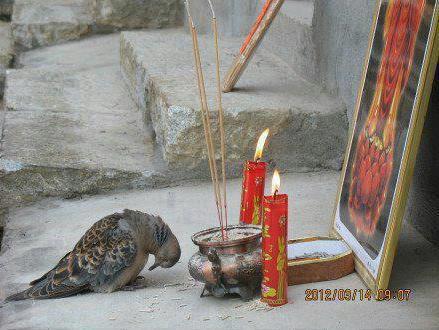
109	256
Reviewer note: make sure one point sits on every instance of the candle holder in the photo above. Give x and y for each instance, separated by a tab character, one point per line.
231	266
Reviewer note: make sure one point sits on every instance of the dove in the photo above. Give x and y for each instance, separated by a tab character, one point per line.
108	257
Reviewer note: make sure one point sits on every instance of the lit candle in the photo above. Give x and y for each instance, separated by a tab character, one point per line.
253	185
274	246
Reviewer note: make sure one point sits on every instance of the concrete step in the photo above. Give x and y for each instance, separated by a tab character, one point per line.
308	126
70	126
40	23
290	37
6	52
37	236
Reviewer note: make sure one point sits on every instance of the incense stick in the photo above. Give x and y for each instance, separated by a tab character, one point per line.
208	132
220	113
206	120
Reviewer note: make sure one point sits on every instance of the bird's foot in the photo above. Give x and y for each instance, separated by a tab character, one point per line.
203	294
138	283
139	279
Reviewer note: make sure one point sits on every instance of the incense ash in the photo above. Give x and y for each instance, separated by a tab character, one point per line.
232	234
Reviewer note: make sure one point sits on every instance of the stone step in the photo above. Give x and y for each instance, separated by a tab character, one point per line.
6	52
40	23
70	126
290	37
308	126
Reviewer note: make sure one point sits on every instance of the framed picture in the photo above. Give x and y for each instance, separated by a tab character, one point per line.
386	130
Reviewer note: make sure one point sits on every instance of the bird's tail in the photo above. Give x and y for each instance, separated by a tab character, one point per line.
45	289
18	296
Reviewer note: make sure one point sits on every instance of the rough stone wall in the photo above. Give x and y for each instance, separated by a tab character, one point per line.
289	37
235	17
6	53
423	204
341	35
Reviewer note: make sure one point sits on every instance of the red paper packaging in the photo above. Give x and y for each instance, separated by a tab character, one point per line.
253	185
274	250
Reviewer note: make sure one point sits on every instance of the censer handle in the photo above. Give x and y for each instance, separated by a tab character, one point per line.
213	257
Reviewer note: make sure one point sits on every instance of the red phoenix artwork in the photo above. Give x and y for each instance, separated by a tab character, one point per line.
373	163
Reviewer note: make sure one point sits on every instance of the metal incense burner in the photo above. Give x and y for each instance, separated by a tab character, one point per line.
230	266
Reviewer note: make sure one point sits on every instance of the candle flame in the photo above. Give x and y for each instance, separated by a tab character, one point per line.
260	145
275	182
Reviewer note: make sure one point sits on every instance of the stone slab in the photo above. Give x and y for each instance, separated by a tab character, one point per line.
111	14
308	126
44	22
37	236
6	52
38	23
70	126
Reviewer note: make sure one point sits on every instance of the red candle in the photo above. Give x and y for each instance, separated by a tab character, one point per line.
274	247
253	185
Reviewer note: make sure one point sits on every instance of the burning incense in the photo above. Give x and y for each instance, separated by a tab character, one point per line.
220	112
206	120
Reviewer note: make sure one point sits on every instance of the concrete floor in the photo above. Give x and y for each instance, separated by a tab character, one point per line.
38	235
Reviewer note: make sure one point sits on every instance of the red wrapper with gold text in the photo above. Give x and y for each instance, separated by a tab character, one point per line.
253	184
274	250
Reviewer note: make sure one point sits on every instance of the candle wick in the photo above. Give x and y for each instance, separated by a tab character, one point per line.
275	194
257	160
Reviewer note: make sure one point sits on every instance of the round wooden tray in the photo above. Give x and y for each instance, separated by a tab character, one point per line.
315	259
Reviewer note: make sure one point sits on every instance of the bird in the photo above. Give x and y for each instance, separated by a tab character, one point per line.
108	257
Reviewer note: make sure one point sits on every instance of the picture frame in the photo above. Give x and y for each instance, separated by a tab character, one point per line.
386	129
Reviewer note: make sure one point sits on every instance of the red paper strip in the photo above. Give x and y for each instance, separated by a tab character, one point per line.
255	25
274	250
253	185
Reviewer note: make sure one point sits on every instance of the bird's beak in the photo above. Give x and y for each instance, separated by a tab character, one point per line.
155	265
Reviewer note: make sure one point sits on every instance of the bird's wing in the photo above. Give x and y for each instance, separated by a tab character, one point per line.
103	251
50	271
97	258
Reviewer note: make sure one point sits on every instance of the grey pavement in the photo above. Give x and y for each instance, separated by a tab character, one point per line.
37	236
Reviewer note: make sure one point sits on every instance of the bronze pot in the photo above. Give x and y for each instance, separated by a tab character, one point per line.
230	266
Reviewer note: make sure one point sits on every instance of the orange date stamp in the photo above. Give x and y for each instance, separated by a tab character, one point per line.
356	295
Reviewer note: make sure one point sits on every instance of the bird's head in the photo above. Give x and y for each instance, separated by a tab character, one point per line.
169	250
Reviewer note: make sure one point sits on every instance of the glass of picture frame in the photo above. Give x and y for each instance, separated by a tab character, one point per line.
386	129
